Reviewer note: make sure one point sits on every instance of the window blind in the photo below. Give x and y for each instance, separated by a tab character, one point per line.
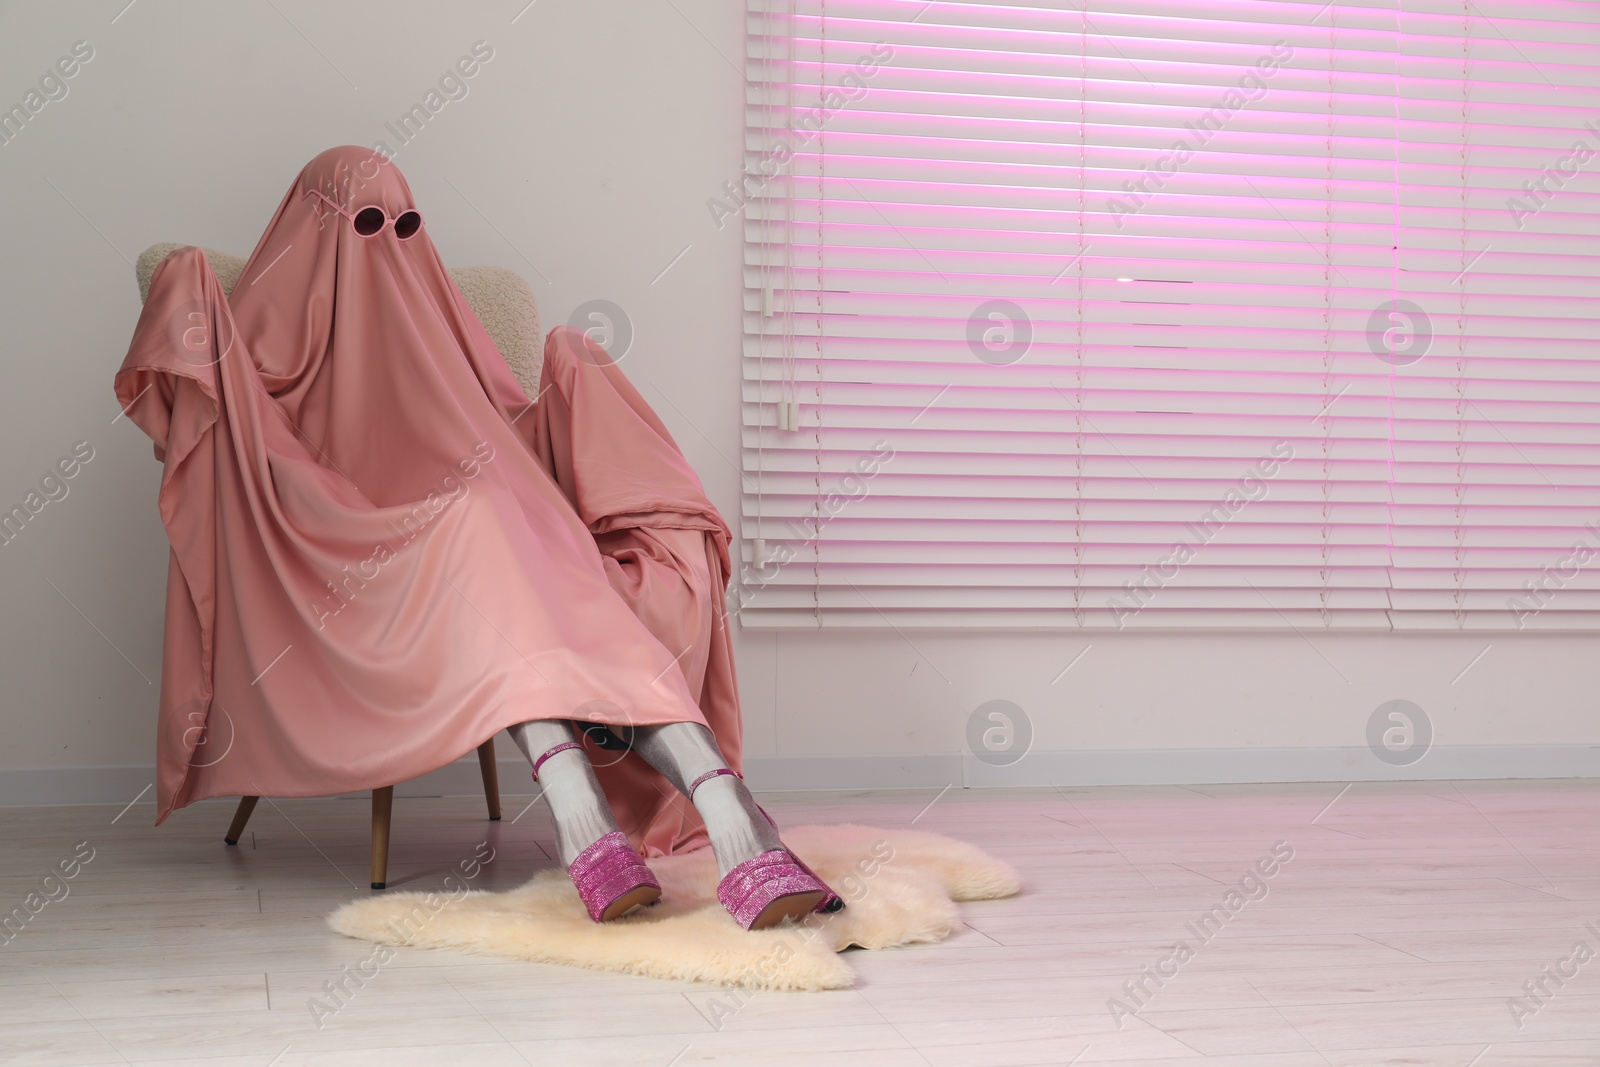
1165	313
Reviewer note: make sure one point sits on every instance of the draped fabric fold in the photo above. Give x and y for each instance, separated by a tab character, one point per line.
382	553
665	550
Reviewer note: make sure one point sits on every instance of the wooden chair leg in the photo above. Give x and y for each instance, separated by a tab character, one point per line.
491	778
240	817
382	805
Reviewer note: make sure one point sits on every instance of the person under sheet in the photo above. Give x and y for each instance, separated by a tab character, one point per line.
382	553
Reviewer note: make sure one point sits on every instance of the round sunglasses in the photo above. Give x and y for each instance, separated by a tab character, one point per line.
370	221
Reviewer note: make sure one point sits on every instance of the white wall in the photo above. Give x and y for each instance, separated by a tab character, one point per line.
582	157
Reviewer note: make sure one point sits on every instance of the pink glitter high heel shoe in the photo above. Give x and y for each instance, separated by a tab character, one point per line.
611	877
764	891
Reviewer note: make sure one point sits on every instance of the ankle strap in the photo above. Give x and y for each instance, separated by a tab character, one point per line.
559	748
706	777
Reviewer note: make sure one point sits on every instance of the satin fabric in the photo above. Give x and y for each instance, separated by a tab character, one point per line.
382	553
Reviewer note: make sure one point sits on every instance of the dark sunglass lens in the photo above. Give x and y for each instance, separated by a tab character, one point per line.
407	224
369	220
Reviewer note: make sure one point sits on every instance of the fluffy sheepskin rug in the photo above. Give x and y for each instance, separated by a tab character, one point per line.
900	888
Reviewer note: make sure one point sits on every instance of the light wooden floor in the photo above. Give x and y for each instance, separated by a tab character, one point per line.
1408	917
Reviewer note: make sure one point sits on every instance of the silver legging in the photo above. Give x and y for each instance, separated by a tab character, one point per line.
681	751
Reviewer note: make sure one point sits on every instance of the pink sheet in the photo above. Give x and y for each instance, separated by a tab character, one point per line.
381	554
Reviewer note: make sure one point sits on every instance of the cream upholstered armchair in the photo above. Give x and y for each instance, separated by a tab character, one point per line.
505	305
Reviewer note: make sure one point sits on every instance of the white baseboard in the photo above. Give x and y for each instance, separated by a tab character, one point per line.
25	786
